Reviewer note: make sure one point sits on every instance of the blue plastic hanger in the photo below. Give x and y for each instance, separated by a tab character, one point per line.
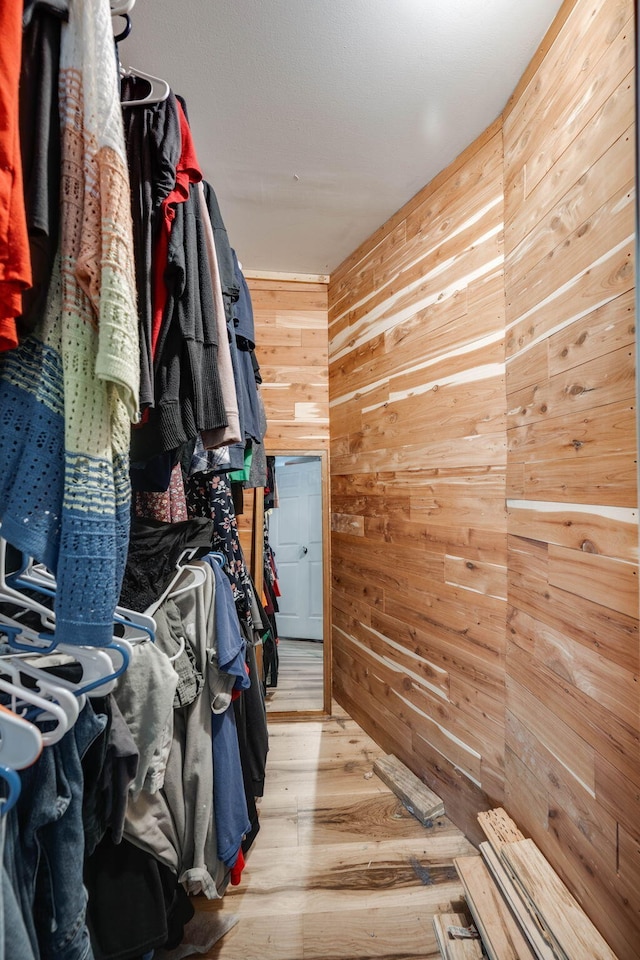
14	784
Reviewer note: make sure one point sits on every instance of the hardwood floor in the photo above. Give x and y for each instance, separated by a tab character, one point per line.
340	870
299	677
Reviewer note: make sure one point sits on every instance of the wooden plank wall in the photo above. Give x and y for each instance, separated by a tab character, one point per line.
572	760
418	465
485	527
292	349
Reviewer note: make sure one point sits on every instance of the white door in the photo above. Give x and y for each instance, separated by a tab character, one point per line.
295	534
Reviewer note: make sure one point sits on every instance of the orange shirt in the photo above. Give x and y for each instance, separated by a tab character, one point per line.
15	261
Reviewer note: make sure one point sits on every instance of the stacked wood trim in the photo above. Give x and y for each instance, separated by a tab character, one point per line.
483	461
550	918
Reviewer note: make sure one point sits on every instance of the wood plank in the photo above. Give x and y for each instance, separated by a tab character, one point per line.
499	828
530	282
417	797
283	278
603	380
612	583
592	731
486	578
610	532
598	333
570	929
610	480
501	935
451	946
547	777
528	924
539	234
607	430
603	281
585	668
581	48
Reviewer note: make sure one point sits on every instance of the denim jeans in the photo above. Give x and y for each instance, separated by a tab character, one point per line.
44	851
15	943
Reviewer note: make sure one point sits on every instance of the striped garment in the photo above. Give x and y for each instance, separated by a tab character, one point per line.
67	393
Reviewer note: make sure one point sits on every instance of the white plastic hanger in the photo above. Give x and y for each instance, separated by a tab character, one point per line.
8	593
181	566
120	7
99	664
51	688
137	626
159	89
20	741
21	698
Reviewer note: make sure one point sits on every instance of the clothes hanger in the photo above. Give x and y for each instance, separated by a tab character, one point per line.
101	666
218	557
12	779
120	7
8	593
22	699
35	576
49	687
158	92
20	741
181	566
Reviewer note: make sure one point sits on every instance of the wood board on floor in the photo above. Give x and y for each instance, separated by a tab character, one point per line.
571	931
417	797
518	907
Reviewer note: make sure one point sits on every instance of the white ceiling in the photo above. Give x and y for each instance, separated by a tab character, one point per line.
315	120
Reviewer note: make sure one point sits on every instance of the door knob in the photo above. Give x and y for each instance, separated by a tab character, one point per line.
305	551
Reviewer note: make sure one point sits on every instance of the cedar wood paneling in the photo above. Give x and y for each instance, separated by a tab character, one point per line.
483	461
291	346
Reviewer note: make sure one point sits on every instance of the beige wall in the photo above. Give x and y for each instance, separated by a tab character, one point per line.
483	442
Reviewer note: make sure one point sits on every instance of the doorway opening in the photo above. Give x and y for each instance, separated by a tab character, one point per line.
298	537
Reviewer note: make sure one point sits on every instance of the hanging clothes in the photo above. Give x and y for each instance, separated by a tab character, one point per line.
68	391
15	259
154	150
40	147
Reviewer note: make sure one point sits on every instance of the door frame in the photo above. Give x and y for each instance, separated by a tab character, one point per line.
276	716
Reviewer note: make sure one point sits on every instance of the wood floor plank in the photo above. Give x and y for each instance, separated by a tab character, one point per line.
499	828
391	934
382	934
339	819
300	677
340	869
